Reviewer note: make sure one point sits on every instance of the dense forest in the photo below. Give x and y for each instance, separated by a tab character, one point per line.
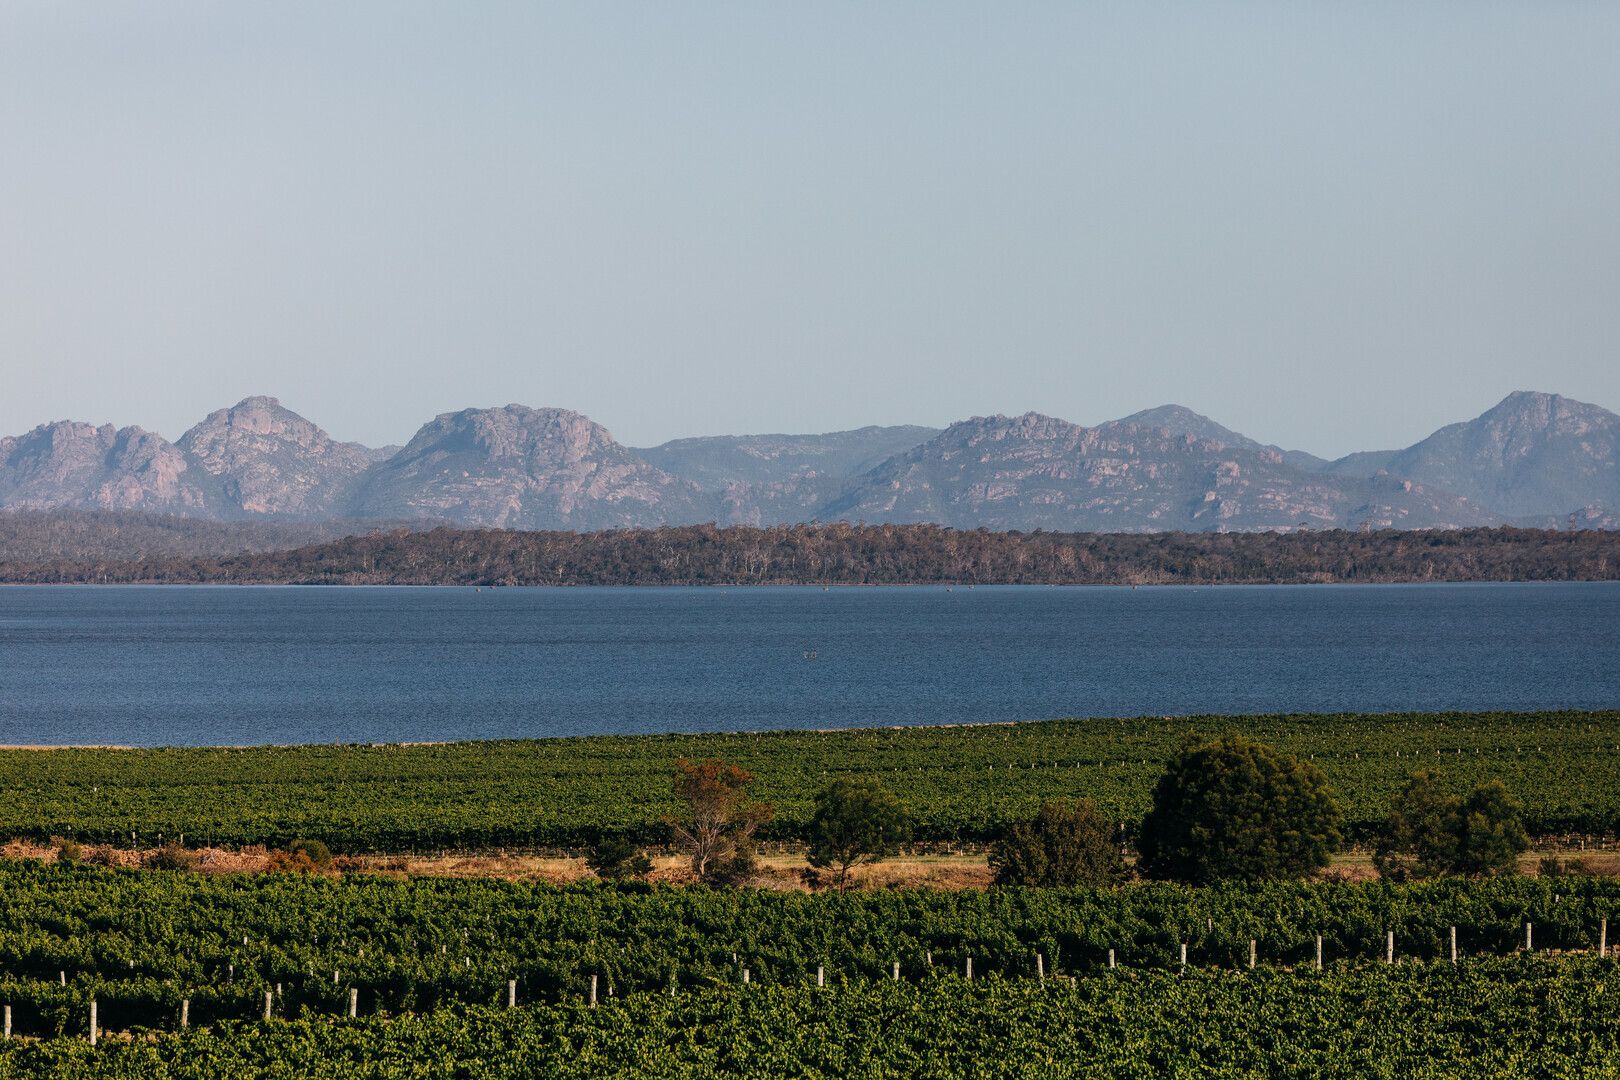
843	554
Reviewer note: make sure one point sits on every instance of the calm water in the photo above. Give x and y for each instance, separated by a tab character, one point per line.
171	665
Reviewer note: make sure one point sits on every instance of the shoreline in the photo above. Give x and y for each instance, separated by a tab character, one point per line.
1230	720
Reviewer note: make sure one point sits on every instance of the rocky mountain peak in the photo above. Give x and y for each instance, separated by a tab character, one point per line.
67	463
519	467
1530	454
270	460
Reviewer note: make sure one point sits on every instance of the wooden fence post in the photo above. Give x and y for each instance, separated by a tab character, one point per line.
821	976
970	967
1389	946
92	1021
1603	937
1110	959
269	1000
354	1002
897	971
1040	966
8	1021
1253	950
185	1013
1453	944
593	988
1527	947
511	993
1183	954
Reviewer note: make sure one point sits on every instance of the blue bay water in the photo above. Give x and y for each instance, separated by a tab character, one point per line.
232	665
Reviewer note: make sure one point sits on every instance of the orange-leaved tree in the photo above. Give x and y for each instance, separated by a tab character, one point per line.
717	829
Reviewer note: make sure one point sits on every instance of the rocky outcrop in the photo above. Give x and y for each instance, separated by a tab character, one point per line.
79	466
1180	420
1035	471
522	468
1535	459
269	460
1531	454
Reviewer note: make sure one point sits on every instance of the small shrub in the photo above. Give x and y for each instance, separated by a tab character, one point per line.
740	869
66	850
616	858
1065	844
319	856
1574	866
170	857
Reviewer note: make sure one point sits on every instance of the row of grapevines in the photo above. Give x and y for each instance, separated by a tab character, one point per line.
143	941
1496	1018
959	783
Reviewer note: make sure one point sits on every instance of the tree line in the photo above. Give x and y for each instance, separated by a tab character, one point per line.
1228	809
848	554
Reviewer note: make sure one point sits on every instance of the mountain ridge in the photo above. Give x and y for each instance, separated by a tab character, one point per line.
1533	459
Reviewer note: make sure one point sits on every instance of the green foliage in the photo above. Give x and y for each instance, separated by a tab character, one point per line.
170	857
318	854
1065	844
1431	831
1236	809
855	822
1491	835
959	784
1498	1018
615	858
1420	837
425	943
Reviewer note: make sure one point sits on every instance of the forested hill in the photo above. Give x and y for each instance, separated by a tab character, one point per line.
876	555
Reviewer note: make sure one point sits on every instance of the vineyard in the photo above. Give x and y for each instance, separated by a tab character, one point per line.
961	784
1065	982
1487	1019
141	942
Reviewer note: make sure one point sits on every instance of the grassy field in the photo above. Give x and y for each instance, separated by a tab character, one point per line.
961	783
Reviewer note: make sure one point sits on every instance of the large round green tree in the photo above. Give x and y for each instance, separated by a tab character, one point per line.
1235	809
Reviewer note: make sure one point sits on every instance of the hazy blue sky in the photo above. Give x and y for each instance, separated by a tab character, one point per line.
1331	225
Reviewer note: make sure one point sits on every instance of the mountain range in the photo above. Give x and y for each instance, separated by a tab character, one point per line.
1533	459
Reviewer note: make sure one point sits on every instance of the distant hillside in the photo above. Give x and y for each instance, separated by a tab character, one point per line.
717	462
878	554
1531	454
269	460
1532	460
98	536
1035	471
517	467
